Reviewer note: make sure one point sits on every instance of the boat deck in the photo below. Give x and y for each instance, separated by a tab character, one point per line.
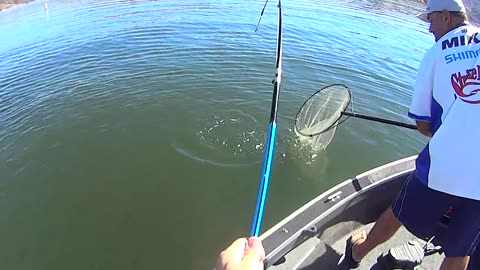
317	254
314	236
402	236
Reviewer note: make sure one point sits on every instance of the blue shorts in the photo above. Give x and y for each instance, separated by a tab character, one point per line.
420	209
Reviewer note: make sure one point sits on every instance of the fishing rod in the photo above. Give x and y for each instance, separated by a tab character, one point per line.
272	131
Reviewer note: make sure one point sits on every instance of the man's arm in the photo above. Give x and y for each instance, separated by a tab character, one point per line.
420	108
425	128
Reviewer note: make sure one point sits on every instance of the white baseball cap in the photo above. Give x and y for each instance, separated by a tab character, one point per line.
440	5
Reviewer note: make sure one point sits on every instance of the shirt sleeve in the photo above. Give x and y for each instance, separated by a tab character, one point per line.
420	108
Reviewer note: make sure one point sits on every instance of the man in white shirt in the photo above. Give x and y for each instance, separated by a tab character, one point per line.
446	107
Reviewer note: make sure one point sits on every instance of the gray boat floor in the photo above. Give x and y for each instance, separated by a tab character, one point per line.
316	254
402	236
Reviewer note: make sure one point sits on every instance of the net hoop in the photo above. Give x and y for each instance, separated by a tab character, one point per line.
333	119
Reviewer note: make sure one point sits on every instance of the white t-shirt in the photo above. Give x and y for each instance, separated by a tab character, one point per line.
447	94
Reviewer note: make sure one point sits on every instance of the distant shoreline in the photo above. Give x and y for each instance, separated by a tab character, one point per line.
5	4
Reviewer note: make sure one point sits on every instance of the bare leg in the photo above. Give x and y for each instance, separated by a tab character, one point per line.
455	263
385	227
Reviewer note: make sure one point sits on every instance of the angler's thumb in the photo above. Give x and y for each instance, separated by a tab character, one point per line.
254	253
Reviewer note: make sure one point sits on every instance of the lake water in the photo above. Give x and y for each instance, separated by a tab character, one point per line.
132	133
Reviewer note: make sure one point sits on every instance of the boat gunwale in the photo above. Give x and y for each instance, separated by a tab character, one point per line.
350	189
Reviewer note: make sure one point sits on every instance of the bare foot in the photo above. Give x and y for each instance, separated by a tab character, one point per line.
358	237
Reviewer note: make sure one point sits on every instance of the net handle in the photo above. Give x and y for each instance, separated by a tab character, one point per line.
381	120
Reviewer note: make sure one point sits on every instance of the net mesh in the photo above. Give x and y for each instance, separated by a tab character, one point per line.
317	120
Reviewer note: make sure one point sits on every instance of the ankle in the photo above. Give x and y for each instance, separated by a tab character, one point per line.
358	252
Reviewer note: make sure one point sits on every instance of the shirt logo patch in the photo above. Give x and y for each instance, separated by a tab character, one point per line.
467	85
